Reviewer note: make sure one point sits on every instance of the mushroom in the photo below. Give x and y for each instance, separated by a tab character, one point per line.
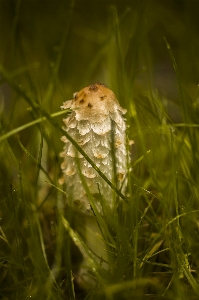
96	123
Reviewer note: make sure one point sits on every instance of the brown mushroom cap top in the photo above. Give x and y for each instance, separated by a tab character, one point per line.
94	103
93	94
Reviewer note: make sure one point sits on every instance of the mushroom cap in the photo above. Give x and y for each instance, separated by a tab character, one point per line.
95	103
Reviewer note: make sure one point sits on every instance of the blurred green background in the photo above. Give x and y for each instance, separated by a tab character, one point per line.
100	41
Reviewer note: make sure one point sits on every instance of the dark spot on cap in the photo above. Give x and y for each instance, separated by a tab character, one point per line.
102	97
93	88
90	105
81	101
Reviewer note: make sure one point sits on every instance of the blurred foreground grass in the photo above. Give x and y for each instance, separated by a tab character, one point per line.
49	50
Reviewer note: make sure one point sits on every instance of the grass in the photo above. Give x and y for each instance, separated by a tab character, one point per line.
152	238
